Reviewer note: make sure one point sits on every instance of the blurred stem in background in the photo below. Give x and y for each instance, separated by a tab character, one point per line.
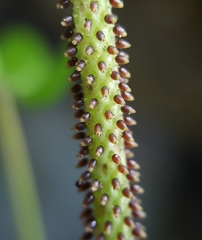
33	82
18	171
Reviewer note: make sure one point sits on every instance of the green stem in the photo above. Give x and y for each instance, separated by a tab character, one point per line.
19	174
108	198
97	43
105	170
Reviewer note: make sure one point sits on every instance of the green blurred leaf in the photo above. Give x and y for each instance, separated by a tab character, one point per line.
55	85
31	71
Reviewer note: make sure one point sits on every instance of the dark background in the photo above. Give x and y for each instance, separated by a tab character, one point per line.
166	58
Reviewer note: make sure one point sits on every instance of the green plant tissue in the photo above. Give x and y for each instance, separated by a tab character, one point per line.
30	69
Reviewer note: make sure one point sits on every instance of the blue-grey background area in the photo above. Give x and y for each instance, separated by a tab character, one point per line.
166	59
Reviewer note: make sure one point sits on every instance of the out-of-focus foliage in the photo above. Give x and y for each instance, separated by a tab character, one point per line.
33	72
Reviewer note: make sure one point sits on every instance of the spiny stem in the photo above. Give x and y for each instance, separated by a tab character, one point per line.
19	175
95	51
100	65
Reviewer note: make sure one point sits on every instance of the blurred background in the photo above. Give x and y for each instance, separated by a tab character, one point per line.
166	60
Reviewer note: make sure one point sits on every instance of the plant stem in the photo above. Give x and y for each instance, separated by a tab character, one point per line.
105	170
96	51
19	173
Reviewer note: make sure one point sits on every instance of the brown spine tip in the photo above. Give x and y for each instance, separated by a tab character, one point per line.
87	24
67	21
86	213
139	231
85	176
119	100
67	34
62	4
79	135
133	164
115	184
78	184
130	144
129	121
104	199
116	159
120	236
80	65
83	152
129	153
139	214
123	169
89	50
78	100
88	199
116	211
78	96
99	151
105	91
129	222
122	44
79	113
121	124
82	163
111	18
127	136
113	139
90	79
78	103
86	141
124	72
127	96
79	127
76	88
95	185
109	115
85	117
136	189
133	204
100	36
116	3
115	75
122	59
127	193
119	31
112	50
102	66
127	109
124	80
93	103
108	227
100	236
91	165
90	225
98	129
71	62
74	76
86	236
77	38
82	186
70	52
124	54
94	6
124	87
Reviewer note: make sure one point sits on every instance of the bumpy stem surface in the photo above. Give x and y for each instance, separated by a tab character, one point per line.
94	48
